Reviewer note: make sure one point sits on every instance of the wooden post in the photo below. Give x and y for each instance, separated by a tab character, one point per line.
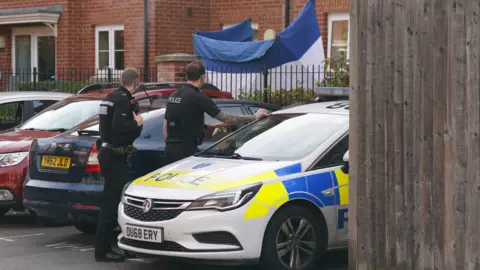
415	134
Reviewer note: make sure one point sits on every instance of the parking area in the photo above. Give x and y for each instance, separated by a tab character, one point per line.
27	244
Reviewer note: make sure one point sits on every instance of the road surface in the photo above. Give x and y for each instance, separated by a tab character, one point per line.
27	244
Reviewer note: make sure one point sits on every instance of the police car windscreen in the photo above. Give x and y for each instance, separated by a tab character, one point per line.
281	136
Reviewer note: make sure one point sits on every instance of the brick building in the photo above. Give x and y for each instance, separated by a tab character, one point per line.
52	34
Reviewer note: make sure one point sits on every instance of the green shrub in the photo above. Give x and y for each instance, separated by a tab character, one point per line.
61	86
336	72
280	97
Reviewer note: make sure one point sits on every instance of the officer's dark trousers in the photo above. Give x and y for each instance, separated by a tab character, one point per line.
114	169
175	151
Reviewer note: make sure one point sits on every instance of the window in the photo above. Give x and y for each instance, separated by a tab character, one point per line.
11	114
253	109
152	125
39	105
235	110
33	47
338	34
280	137
110	47
334	157
216	129
63	115
254	27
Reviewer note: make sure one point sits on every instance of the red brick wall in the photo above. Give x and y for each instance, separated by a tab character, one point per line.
175	28
270	14
76	29
170	26
62	41
6	54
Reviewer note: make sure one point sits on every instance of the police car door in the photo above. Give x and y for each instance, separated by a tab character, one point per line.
333	161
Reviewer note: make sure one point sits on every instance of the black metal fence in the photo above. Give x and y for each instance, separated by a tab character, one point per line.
283	85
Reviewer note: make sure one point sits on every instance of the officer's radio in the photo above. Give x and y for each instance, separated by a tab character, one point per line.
136	107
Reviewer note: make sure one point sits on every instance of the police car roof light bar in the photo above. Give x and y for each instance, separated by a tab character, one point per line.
328	93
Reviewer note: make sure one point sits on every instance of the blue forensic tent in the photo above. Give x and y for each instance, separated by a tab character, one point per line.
234	63
239	32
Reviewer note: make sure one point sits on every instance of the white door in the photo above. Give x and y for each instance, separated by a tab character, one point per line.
34	49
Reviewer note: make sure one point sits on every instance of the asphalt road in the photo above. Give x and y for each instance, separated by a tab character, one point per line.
27	244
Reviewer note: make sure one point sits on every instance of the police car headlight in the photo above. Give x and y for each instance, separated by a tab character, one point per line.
123	191
226	200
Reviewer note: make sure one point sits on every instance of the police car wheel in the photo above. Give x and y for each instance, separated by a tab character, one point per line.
87	228
293	240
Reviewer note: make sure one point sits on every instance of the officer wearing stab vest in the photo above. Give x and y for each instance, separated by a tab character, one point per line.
119	127
183	125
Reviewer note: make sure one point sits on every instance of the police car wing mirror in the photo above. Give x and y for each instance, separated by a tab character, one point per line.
345	167
345	157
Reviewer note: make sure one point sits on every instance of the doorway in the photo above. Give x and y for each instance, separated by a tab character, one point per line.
34	49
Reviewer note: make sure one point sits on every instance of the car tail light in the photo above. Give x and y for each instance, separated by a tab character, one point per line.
92	162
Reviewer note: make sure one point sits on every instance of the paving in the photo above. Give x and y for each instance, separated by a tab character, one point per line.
27	244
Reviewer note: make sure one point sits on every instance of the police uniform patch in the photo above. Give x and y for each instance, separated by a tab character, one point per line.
103	110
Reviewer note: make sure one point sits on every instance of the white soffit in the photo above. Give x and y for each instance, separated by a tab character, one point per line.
29	18
31	15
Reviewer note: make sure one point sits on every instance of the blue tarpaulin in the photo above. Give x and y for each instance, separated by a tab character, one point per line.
239	32
222	50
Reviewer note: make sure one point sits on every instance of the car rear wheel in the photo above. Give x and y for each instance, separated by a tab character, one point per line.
85	227
3	211
294	239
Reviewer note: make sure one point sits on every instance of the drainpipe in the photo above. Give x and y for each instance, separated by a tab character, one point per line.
145	49
287	13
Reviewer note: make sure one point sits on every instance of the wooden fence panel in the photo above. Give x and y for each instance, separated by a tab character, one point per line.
415	144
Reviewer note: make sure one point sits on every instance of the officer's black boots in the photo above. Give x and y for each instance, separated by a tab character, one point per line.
110	256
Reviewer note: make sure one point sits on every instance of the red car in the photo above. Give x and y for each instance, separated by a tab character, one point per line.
61	116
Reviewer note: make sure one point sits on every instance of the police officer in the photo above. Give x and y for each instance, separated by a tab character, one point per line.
119	127
183	126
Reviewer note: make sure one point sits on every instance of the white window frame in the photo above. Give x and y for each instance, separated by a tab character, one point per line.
337	16
252	24
111	41
34	32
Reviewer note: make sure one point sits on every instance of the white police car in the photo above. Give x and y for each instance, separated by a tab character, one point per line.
272	192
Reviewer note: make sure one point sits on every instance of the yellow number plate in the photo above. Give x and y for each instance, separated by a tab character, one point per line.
56	162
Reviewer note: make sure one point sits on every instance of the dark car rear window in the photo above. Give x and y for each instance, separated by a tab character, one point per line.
152	125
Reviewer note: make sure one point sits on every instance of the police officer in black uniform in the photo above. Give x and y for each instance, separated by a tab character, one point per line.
119	127
183	126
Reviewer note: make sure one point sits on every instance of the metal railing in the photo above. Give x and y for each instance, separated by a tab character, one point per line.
283	85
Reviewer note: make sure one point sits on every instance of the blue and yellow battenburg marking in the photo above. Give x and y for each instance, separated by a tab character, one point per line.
275	194
310	187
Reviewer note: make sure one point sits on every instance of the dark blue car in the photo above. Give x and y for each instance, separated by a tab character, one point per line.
63	182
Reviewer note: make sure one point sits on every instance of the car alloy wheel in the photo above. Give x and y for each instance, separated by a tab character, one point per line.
296	242
296	235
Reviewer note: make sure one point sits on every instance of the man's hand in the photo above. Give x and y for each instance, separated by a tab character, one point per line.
260	114
138	118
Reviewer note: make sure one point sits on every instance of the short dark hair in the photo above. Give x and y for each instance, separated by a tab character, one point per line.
129	76
195	70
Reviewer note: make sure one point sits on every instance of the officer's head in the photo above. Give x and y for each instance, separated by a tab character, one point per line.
130	79
195	73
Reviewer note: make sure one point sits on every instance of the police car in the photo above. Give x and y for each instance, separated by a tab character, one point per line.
274	192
